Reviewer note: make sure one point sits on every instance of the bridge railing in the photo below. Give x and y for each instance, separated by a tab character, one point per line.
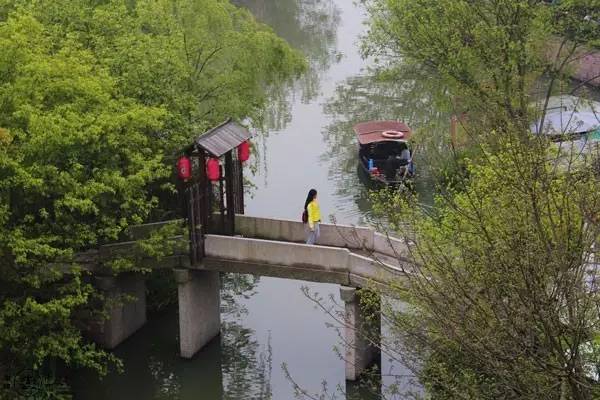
359	239
333	235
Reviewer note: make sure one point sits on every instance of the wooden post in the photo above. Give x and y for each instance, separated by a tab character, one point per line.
205	192
240	188
191	219
221	204
230	229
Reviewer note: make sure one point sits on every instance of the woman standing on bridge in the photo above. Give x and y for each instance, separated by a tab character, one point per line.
313	213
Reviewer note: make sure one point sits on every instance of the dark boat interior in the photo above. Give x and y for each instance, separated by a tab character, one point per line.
387	156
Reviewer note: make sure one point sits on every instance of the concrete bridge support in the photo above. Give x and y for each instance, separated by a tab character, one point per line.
362	333
126	297
199	309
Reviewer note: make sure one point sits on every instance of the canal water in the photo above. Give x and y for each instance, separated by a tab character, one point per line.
272	333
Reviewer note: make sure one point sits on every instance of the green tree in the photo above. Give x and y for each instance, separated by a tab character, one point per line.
502	300
494	54
95	98
74	165
201	60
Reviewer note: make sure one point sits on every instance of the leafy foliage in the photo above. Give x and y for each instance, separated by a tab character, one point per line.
502	300
503	297
95	98
35	386
491	53
578	21
73	174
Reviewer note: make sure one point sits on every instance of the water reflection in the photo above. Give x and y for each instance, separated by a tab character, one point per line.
246	366
416	98
232	366
309	26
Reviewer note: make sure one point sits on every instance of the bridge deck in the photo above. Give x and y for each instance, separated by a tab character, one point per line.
346	255
337	259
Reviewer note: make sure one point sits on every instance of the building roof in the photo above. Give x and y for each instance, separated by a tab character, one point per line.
223	138
372	131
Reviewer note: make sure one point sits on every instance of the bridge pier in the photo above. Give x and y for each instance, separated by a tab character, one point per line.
126	295
362	333
199	309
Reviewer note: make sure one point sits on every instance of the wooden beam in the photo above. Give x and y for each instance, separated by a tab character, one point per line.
229	193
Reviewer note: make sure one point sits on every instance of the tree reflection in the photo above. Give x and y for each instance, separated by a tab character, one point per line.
417	98
236	287
246	365
310	26
232	366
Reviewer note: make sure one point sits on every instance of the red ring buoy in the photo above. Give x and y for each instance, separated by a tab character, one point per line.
392	134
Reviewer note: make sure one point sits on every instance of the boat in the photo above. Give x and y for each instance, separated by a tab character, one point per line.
570	119
567	103
561	126
567	117
573	124
384	151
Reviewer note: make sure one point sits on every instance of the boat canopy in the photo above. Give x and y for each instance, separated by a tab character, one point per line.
568	123
380	131
567	103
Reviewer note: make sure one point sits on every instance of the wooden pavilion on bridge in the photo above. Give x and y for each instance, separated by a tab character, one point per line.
212	186
213	182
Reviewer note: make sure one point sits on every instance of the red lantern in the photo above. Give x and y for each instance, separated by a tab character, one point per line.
184	168
213	169
244	151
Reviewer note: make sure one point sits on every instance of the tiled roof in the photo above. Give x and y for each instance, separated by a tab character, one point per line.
225	137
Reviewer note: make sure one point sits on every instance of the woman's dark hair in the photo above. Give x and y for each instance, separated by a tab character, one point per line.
312	193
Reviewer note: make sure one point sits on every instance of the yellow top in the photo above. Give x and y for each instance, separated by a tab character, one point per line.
314	213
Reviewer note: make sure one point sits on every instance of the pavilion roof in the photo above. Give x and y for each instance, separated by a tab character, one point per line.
223	138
